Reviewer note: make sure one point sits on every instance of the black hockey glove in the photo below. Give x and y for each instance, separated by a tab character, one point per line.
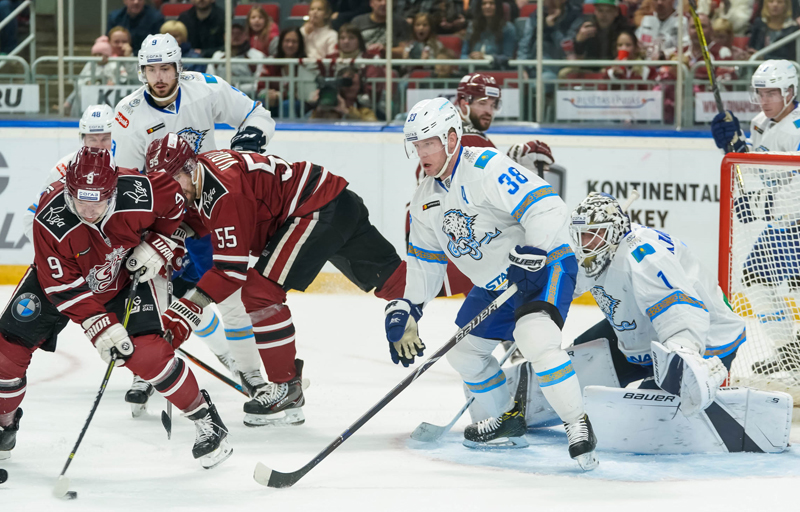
249	139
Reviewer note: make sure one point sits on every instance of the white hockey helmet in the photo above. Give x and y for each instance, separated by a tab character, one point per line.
601	216
96	119
432	118
774	74
159	49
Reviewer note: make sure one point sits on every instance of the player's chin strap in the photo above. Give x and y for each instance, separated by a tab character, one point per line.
793	103
447	161
168	99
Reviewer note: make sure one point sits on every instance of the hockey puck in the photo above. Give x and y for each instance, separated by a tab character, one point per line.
71	495
3	476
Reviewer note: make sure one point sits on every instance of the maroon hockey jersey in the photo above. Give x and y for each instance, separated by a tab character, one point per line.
80	266
244	199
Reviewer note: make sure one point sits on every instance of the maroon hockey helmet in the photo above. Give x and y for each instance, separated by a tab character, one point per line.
477	86
171	154
92	175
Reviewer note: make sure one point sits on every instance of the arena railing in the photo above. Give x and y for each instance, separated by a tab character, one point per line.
29	41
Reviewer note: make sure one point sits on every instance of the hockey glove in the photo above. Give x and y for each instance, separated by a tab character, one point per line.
401	331
726	130
529	153
753	205
182	317
106	333
249	139
528	268
684	372
152	255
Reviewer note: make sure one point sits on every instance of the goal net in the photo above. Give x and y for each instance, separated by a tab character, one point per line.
759	265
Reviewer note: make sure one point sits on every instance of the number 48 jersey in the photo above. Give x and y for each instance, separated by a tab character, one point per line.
245	198
474	218
654	289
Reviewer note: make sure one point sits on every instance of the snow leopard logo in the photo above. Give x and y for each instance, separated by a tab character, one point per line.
609	306
193	137
458	226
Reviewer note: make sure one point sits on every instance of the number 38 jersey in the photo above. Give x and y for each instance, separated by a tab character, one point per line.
245	198
654	289
474	218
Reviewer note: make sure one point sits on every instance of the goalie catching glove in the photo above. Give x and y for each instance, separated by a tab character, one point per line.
107	334
683	372
153	253
182	317
401	331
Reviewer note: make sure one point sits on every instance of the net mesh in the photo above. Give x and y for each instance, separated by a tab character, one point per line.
762	255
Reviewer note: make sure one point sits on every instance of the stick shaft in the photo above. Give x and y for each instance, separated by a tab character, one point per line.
212	371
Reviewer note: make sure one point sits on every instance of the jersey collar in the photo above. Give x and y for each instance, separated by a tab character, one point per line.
177	102
446	183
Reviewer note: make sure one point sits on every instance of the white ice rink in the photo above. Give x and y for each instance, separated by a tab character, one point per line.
128	464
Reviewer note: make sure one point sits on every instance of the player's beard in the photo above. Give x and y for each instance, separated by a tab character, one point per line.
481	123
169	96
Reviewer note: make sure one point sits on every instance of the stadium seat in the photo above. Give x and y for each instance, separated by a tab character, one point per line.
526	10
418	73
502	76
453	43
171	11
299	10
741	42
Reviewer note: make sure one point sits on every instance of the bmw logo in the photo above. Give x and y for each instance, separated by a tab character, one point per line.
26	307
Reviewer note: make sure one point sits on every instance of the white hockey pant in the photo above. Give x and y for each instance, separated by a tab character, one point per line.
539	340
472	358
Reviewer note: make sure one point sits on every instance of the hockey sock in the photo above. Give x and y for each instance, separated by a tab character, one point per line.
12	391
212	333
472	358
14	361
539	340
274	333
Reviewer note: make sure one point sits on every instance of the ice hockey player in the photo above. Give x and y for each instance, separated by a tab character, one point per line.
189	103
774	89
479	209
86	227
776	128
94	130
664	310
293	217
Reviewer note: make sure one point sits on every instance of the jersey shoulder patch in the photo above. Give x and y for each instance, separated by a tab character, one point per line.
213	190
56	217
134	193
210	79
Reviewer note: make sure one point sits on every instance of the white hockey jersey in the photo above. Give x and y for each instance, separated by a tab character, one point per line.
202	100
475	218
55	174
767	135
654	289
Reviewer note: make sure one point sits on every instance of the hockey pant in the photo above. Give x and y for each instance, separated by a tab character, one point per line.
153	358
341	233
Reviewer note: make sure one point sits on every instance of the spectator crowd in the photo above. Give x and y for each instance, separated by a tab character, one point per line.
498	30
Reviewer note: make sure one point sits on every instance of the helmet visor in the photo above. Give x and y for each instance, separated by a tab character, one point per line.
423	148
766	96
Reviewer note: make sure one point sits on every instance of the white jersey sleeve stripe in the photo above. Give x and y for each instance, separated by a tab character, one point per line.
427	255
531	198
673	299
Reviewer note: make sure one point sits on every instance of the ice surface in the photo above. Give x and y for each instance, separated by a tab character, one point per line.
128	464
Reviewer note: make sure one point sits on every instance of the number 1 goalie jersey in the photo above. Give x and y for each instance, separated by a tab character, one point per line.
654	289
245	198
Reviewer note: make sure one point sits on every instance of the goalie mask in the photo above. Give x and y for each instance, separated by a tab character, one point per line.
596	227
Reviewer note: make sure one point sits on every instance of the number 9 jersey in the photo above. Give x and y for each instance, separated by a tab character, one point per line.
475	217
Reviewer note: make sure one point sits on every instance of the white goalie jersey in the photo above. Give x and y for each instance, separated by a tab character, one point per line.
767	135
474	218
654	289
55	174
202	101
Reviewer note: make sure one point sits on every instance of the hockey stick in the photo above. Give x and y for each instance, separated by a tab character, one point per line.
61	489
166	416
271	478
712	79
428	433
212	371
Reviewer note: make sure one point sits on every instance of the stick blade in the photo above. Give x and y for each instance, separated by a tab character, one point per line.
427	433
62	487
275	479
167	422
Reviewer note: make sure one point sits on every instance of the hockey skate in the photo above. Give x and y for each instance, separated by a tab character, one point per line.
8	436
787	359
507	431
252	382
137	396
229	363
278	404
211	444
582	442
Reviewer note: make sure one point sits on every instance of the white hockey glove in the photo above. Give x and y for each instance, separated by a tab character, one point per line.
401	331
106	333
684	372
529	153
152	255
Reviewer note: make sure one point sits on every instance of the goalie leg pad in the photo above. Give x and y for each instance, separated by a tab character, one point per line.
472	358
648	421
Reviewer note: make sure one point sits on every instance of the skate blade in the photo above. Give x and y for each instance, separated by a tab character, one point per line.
501	443
4	455
138	409
587	461
290	418
218	456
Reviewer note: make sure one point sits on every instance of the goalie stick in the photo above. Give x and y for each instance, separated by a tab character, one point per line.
428	433
61	489
271	478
